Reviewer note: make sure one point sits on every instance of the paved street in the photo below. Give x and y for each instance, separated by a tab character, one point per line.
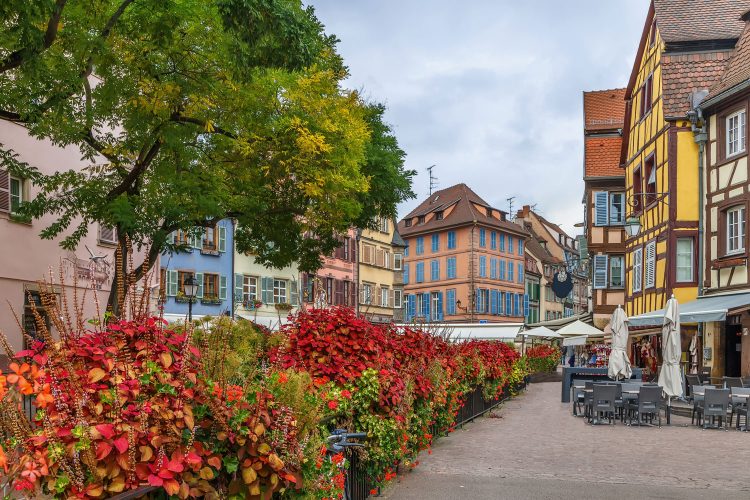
537	450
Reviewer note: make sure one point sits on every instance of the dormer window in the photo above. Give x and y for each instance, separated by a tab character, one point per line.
407	222
421	219
439	215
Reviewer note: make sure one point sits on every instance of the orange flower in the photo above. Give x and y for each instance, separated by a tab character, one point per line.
217	390
283	378
3	386
3	460
234	393
17	377
44	397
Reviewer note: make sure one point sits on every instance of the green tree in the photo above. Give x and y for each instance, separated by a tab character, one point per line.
191	111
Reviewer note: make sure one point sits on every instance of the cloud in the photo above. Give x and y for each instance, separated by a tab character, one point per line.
488	90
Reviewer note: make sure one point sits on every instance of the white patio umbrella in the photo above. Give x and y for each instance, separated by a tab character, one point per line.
619	364
669	376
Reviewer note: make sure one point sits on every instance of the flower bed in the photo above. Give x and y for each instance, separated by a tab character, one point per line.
236	409
542	358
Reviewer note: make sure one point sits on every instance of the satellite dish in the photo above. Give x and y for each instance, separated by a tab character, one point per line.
562	283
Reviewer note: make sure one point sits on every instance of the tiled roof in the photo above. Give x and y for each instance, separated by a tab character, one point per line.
537	250
683	74
603	109
602	156
464	212
692	20
738	69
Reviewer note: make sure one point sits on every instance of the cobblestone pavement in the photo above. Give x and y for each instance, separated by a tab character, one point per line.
532	447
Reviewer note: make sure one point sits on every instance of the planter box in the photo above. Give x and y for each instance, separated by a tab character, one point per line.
184	300
211	302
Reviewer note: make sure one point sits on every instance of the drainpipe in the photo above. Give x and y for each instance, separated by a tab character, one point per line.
233	302
472	285
356	273
700	137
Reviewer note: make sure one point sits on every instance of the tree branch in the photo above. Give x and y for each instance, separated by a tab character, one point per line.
18	57
201	123
88	138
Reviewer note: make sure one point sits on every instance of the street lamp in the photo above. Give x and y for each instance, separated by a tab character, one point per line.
637	201
191	288
632	226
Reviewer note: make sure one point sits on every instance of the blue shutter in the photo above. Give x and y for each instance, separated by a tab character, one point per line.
239	282
525	305
520	273
493	268
439	313
601	208
420	245
510	245
482	266
435	242
493	240
451	240
502	269
510	270
199	279
406	249
502	242
600	271
515	304
420	272
406	274
426	306
450	297
411	307
508	304
482	238
222	287
493	301
520	247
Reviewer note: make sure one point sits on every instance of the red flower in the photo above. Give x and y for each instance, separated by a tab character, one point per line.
346	394
374	491
283	378
337	458
333	404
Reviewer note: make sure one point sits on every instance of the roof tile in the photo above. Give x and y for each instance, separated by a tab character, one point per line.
738	69
683	74
692	20
603	109
603	156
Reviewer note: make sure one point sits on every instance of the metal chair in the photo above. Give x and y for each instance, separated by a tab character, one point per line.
730	382
647	405
715	404
745	381
738	403
691	380
604	396
697	394
578	396
705	375
588	398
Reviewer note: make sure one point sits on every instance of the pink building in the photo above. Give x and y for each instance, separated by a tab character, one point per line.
335	283
27	258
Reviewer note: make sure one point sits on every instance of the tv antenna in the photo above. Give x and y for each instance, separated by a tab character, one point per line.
433	179
510	205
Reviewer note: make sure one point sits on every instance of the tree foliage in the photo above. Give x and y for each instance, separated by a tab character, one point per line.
190	111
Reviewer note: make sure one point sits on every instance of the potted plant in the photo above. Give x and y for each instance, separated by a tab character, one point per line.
283	306
211	300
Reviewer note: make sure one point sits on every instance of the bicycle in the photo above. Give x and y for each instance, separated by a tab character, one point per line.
338	442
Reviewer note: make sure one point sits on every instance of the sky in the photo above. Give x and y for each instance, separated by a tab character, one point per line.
489	91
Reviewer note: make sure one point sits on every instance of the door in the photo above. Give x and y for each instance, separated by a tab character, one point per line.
733	354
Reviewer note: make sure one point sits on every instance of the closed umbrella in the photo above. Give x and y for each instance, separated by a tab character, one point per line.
669	376
619	364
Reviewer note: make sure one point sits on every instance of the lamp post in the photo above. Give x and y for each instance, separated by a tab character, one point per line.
191	288
637	201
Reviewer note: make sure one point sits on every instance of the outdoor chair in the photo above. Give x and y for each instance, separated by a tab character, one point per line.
738	403
730	382
578	396
745	381
705	375
619	404
588	398
604	403
691	380
697	393
647	406
715	404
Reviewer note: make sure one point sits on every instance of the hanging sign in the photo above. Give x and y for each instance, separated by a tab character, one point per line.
562	284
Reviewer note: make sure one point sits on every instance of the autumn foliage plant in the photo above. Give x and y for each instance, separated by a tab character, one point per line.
543	358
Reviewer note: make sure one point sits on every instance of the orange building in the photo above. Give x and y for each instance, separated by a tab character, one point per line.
464	261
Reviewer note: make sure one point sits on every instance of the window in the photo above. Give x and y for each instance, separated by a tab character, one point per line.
450	269
16	194
493	268
650	269
398	262
420	272
650	170
439	215
182	276
420	219
437	305
249	288
107	235
520	247
501	272
735	230
407	222
493	240
637	269
434	270
510	244
637	189
366	293
210	286
616	271
450	296
386	259
510	270
482	238
383	225
398	299
209	238
279	291
684	260
435	243
520	272
482	266
420	245
384	295
451	240
616	208
406	249
329	290
736	133
502	242
647	93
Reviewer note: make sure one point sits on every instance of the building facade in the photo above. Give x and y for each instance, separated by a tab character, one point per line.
380	273
550	306
464	261
604	200
265	295
564	249
208	259
29	258
335	283
532	298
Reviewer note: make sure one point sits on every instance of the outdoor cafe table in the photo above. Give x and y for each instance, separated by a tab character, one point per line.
586	373
634	392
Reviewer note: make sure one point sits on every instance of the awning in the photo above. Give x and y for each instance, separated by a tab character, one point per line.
485	331
579	328
580	340
540	331
701	310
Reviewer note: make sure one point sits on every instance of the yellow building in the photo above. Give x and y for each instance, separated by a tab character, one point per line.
660	156
380	273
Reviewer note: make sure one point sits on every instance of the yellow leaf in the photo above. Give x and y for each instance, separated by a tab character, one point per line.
166	359
275	462
248	475
96	374
259	429
264	449
207	473
117	484
146	453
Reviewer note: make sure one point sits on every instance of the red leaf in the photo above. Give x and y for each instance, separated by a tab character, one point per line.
175	466
106	430
103	449
155	480
121	444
